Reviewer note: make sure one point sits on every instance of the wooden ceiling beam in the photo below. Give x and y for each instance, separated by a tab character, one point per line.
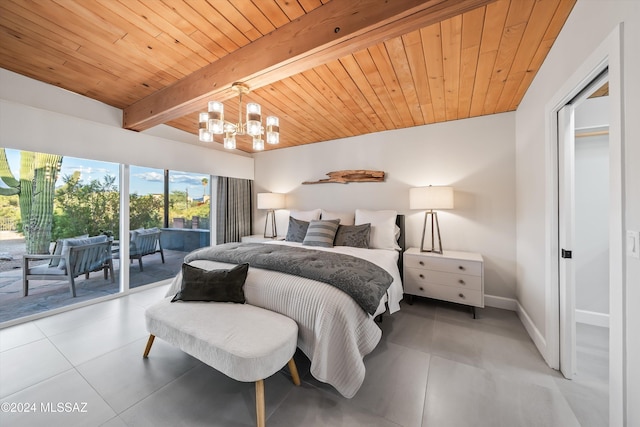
328	32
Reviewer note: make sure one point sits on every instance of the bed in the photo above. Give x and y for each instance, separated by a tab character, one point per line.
335	331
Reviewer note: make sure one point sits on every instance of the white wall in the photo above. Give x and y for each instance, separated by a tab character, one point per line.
591	250
589	24
475	156
36	116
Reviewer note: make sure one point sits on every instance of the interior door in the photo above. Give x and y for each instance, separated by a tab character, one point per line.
566	216
566	225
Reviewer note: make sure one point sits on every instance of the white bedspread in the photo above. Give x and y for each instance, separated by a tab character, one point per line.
333	330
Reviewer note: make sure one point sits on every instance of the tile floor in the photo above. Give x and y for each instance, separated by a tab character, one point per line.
435	366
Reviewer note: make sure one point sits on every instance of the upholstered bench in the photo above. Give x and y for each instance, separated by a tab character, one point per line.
242	341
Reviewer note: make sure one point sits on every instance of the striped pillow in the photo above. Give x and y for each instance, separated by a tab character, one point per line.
321	233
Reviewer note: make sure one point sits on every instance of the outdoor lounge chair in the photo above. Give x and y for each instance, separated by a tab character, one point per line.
143	242
78	256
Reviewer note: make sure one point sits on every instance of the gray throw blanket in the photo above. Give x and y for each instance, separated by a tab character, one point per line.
364	281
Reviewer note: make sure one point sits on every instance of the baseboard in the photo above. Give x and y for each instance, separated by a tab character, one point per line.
592	318
501	302
514	305
537	338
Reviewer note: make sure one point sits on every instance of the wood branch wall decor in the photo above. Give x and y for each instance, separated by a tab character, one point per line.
345	176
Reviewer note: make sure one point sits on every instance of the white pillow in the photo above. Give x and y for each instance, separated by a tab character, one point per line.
383	228
346	218
312	215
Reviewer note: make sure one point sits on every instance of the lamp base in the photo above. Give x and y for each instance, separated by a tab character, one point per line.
274	231
435	230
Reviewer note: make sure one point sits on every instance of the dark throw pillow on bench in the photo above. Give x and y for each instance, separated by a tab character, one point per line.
212	285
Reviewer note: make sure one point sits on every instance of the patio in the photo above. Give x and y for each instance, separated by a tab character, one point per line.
47	294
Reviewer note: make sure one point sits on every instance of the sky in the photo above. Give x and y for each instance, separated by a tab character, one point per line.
143	180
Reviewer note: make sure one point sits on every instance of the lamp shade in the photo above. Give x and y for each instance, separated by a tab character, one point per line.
270	201
431	198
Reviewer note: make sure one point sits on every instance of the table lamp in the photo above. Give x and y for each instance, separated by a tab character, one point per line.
431	198
270	202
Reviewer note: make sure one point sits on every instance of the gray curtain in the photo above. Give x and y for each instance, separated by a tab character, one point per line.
233	209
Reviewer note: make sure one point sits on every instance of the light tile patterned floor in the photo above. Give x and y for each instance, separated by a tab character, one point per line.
435	366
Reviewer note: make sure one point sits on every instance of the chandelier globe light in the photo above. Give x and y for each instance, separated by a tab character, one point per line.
213	123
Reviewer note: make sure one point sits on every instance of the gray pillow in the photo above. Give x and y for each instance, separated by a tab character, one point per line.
321	233
356	236
297	230
77	242
57	249
212	285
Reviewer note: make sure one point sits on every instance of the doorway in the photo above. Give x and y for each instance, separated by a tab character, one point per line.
560	313
592	242
583	218
583	239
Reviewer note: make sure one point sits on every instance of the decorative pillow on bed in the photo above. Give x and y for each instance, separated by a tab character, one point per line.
383	228
311	215
356	236
321	233
212	285
306	216
297	230
346	218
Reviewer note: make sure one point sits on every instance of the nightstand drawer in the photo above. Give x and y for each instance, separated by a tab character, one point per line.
448	265
445	293
460	281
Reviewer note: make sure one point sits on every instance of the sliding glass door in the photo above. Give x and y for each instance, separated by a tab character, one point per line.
47	199
169	215
51	203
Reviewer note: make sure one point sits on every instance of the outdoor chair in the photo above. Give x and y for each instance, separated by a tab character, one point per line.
77	257
143	242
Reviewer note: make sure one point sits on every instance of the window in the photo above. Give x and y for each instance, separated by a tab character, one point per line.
181	218
53	197
189	200
80	197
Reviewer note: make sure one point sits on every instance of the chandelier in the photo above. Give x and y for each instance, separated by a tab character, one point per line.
213	123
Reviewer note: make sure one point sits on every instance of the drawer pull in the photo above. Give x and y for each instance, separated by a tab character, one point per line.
461	282
461	295
421	288
422	276
460	267
421	262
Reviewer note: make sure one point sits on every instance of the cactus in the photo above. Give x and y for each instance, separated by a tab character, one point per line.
36	191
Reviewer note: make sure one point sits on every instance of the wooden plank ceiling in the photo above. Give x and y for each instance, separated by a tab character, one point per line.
122	52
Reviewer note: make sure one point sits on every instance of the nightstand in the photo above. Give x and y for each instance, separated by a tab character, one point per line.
258	238
451	276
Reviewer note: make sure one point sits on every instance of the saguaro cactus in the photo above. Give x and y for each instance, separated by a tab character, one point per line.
36	191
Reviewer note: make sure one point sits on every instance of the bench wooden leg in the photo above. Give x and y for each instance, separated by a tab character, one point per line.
260	412
149	344
294	372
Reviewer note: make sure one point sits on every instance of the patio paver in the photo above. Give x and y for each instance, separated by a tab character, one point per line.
46	294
